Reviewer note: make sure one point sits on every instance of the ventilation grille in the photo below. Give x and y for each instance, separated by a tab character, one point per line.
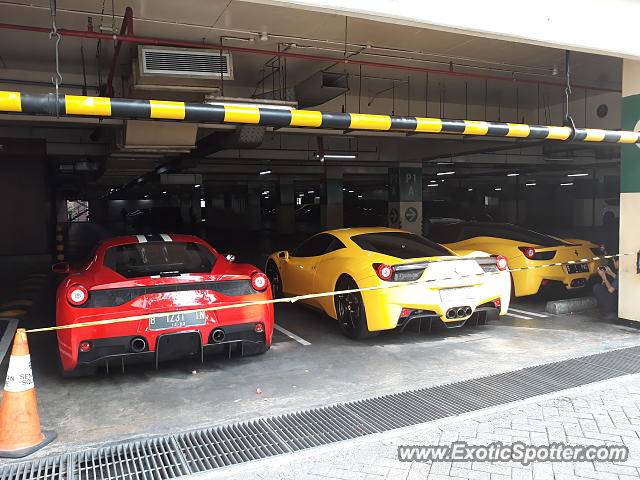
185	63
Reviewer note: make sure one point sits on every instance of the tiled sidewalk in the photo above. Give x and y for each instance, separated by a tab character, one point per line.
606	413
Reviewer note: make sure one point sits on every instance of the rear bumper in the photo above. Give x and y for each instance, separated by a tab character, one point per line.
383	307
116	351
528	282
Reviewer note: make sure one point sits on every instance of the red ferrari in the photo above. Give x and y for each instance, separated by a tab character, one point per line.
140	275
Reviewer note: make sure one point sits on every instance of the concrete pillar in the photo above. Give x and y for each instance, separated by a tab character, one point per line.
405	197
253	214
286	209
629	307
332	208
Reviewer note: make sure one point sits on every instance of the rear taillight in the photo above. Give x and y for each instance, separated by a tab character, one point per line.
85	346
528	252
497	302
77	294
384	271
405	312
258	327
259	281
502	263
532	254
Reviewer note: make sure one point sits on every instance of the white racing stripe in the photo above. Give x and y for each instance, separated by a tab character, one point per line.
165	237
141	238
289	334
528	313
518	316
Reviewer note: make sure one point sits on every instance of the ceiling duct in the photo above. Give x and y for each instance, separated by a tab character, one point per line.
316	90
180	69
243	137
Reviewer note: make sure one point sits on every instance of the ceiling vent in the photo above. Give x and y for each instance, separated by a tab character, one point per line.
185	63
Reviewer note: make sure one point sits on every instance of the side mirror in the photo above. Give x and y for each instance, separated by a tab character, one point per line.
230	257
284	254
61	267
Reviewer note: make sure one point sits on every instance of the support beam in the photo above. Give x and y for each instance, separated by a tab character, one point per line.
72	105
629	308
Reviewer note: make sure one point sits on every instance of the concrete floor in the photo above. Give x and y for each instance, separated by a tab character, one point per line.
293	376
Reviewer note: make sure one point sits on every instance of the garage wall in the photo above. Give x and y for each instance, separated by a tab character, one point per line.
25	204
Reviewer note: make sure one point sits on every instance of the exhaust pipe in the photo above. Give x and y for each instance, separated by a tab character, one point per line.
468	311
460	312
138	345
451	313
217	335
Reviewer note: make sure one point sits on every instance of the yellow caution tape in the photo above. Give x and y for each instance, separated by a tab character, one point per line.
314	295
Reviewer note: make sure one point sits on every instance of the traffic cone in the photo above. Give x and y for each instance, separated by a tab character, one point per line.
20	433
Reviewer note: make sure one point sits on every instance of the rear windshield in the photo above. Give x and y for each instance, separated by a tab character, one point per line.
399	244
155	258
459	232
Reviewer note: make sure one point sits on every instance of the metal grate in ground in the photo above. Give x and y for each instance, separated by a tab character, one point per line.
175	456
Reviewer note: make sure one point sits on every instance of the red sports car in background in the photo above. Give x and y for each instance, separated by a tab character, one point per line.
140	275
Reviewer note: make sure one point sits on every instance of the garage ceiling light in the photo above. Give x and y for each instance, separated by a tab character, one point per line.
350	191
359	196
578	175
265	172
513	174
197	185
432	185
498	189
469	189
445	163
532	184
566	184
433	181
445	173
336	156
164	191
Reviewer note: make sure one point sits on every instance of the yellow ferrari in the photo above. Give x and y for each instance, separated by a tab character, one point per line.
525	248
456	288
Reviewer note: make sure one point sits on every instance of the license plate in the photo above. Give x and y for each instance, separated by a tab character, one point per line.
461	294
578	268
177	320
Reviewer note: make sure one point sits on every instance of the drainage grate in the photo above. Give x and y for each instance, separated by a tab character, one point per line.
154	459
198	451
227	445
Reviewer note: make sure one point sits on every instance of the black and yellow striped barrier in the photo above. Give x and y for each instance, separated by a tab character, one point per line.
298	298
72	105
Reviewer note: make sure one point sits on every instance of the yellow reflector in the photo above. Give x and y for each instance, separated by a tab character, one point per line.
306	118
10	102
167	110
97	106
234	114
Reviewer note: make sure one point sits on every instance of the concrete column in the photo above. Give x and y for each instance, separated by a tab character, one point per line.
629	307
332	208
253	214
405	197
286	209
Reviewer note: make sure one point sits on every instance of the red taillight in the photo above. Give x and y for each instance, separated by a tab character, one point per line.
405	312
259	281
258	328
384	272
85	346
497	302
502	263
77	295
528	252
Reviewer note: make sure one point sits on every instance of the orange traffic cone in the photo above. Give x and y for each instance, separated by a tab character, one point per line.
20	433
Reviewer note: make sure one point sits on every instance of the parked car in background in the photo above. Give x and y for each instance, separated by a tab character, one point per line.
524	248
455	289
167	276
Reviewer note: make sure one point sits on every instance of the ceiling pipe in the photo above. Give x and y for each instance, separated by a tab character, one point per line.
126	27
175	43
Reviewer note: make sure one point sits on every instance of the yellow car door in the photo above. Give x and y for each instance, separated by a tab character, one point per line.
301	266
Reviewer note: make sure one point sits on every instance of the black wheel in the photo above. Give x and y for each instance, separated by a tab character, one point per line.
273	274
249	349
350	311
